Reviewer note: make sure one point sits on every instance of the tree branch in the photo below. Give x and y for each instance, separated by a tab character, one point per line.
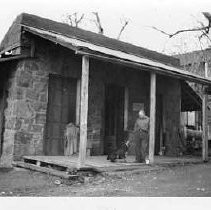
74	20
205	28
123	28
98	23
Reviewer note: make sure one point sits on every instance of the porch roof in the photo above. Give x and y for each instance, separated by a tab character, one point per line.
101	47
190	100
103	53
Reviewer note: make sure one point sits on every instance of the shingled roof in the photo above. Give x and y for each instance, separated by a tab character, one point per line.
90	37
95	45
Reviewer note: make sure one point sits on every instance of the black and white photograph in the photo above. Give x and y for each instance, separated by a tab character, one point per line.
105	99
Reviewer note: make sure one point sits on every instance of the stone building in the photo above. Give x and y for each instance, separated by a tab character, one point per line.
197	62
53	74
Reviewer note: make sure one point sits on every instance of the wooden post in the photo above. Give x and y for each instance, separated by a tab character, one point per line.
126	108
78	101
206	69
83	110
205	127
152	117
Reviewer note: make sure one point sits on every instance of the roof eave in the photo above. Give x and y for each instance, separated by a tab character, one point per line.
117	56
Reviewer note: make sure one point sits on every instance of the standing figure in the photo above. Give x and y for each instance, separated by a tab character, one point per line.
70	139
141	137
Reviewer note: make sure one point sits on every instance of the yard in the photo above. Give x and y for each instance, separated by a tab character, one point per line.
188	180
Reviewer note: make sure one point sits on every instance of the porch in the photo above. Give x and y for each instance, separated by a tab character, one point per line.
99	164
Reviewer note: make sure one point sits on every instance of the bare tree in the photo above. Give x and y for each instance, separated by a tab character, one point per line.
124	24
97	22
74	19
204	29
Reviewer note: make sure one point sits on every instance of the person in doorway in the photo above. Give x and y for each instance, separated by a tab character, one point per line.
141	137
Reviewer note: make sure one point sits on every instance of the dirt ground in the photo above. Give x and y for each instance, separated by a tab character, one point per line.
189	180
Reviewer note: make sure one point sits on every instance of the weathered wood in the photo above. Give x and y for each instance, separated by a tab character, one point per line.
205	128
17	57
152	117
83	110
205	119
60	161
78	99
206	69
161	140
157	70
10	48
46	170
32	48
126	104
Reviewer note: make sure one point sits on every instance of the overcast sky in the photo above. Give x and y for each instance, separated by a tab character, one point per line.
168	15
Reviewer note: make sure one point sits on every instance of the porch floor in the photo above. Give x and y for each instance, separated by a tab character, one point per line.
100	163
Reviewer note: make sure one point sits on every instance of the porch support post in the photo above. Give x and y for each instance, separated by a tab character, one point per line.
152	117
126	108
205	127
83	110
78	101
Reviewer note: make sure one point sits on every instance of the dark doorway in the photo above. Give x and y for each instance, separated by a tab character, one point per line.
114	117
159	124
61	111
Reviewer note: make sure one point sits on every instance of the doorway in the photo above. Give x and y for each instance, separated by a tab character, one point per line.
114	117
61	111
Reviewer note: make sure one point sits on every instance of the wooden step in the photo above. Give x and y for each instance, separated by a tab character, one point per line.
60	165
45	162
62	174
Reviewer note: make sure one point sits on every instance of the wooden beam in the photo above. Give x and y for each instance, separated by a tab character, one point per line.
126	105
78	100
83	110
152	117
10	48
145	67
46	170
16	57
206	70
205	128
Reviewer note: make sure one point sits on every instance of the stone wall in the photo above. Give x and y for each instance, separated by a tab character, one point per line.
25	114
28	97
194	61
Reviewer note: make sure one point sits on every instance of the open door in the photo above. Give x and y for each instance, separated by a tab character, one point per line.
114	117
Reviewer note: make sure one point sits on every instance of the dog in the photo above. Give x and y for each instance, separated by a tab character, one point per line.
119	153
